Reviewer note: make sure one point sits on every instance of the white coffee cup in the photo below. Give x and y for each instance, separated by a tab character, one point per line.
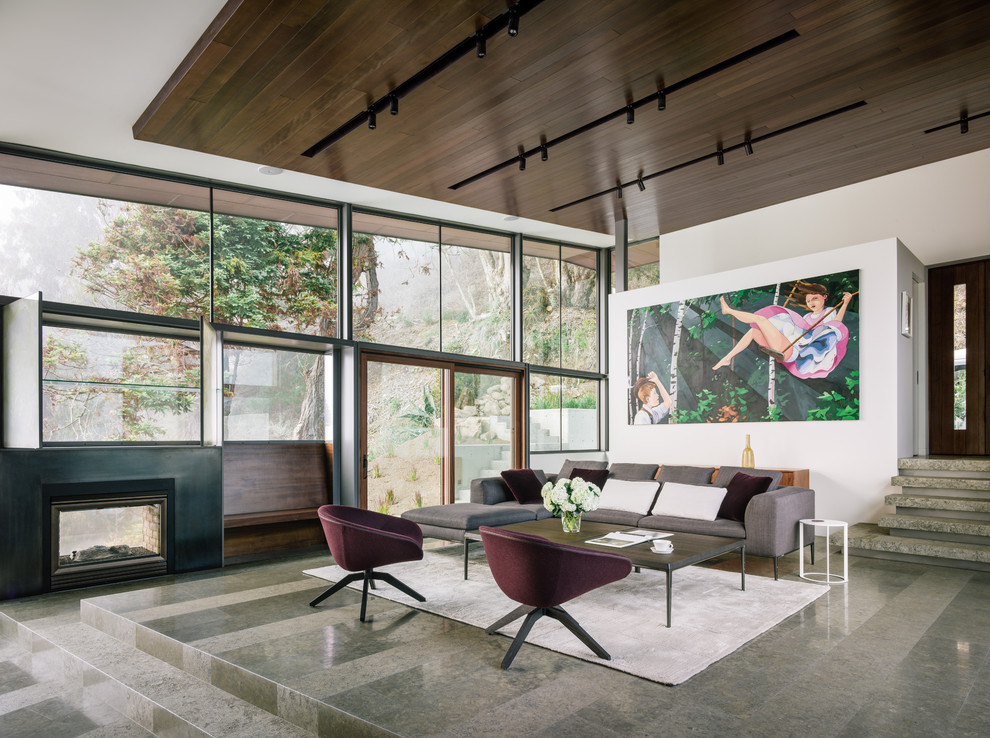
663	547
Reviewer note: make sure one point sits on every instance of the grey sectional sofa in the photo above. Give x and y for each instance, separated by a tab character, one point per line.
769	527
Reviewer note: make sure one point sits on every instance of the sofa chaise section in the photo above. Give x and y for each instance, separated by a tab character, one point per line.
491	504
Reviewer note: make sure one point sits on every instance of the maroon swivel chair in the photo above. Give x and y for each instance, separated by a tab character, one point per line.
361	540
542	576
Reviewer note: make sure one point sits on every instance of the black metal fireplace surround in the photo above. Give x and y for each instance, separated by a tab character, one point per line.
31	478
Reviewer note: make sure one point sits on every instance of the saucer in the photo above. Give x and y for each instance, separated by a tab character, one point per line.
662	551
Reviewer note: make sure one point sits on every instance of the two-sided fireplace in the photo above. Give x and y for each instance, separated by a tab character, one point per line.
109	531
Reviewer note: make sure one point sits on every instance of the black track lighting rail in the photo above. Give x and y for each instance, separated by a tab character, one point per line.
719	153
473	44
628	110
963	122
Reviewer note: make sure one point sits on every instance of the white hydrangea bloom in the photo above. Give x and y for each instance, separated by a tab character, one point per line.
570	495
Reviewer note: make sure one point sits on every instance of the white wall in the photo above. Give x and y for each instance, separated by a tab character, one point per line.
939	211
912	358
851	462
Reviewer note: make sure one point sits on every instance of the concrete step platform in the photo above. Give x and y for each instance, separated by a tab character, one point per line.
869	540
939	502
953	483
939	526
161	699
975	464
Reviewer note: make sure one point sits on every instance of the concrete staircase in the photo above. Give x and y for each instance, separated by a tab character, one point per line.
942	515
541	436
499	462
166	687
159	697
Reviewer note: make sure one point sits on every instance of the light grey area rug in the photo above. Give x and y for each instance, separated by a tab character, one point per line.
712	617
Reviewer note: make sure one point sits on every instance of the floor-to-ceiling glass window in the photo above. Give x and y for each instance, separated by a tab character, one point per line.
642	264
110	387
396	281
485	429
275	264
112	239
541	303
104	240
578	309
560	332
563	412
643	259
476	293
274	394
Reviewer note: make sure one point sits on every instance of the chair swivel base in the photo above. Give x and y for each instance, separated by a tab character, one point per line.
532	615
368	577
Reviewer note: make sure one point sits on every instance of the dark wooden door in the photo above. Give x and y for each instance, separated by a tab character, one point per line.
958	362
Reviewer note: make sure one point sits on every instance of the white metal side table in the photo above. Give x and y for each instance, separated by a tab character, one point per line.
825	577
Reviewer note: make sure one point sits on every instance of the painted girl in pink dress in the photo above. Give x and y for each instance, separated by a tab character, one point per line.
810	345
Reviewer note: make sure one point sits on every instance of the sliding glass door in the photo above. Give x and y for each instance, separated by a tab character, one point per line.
430	427
485	427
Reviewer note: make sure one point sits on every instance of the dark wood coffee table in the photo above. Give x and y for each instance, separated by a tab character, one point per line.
689	548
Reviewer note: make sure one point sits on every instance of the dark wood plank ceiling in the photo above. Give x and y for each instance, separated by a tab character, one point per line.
268	80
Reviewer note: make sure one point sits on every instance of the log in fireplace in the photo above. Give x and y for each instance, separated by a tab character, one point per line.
108	531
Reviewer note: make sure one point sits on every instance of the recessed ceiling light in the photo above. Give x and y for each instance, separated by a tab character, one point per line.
270	170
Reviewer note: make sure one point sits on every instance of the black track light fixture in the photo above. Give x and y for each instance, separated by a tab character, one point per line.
630	114
641	184
720	152
544	154
509	20
480	44
372	120
513	28
522	163
963	122
748	146
659	95
393	104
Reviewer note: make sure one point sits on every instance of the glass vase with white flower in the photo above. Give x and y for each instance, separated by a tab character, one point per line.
569	499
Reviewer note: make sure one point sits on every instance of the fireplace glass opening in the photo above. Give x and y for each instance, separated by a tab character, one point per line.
108	539
109	534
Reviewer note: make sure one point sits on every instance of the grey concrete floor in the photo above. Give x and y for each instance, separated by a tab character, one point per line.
901	650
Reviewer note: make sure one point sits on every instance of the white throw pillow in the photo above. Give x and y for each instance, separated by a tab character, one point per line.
629	496
689	501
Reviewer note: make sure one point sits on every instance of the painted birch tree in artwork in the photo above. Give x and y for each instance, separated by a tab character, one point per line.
674	350
772	371
638	322
639	371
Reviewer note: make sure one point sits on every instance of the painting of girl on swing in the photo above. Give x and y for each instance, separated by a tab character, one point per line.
809	346
787	351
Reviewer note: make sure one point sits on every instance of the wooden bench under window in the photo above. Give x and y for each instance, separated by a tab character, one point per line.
271	493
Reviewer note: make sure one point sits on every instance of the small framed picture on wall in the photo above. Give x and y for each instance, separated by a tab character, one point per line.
906	316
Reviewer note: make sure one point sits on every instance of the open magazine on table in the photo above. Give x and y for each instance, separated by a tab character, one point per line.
624	538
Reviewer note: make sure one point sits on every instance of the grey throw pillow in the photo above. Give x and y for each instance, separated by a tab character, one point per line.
686	474
633	472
